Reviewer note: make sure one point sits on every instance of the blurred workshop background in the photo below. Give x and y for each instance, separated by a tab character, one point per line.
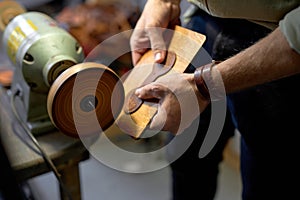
97	180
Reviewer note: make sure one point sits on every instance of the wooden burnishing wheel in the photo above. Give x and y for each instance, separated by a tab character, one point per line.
85	99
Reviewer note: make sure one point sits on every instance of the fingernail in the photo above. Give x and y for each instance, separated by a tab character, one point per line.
157	56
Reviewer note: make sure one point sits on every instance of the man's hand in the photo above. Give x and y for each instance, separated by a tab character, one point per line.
156	13
179	102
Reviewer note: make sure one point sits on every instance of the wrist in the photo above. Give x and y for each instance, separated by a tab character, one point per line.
209	82
200	83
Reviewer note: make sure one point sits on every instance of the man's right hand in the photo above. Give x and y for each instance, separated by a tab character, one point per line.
156	13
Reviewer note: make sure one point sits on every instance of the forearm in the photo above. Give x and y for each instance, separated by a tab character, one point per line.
269	59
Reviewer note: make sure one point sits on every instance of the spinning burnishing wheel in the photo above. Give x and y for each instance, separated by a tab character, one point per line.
85	99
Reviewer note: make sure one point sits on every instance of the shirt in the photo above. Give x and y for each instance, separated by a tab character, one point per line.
269	13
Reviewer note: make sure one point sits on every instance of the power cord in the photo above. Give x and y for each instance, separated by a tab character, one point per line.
46	158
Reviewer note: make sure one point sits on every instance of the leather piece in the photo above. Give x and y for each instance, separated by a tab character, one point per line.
185	43
132	102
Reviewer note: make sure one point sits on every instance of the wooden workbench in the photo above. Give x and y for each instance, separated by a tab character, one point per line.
65	152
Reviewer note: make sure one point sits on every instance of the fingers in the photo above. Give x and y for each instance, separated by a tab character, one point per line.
168	116
139	43
158	44
156	17
150	91
136	56
145	39
168	112
159	120
156	91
